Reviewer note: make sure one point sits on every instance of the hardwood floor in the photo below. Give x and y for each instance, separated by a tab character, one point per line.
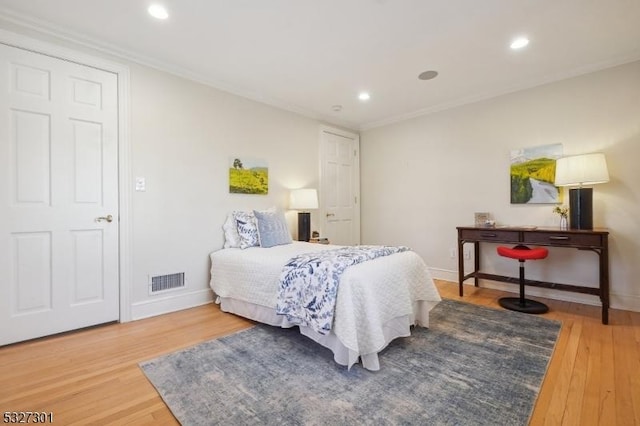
92	377
594	375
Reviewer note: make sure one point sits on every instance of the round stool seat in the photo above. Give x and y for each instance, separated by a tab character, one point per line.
523	252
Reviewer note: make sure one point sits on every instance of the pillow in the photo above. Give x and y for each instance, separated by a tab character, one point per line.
247	229
272	229
231	237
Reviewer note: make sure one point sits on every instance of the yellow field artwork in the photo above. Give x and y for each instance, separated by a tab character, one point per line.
248	177
532	175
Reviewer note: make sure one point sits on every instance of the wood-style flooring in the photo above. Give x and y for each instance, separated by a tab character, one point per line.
92	376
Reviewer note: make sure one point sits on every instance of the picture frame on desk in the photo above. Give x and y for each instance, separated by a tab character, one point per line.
482	219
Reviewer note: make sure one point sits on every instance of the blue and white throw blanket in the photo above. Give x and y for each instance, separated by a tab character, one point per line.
309	283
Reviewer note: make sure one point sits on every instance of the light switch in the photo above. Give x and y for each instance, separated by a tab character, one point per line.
141	184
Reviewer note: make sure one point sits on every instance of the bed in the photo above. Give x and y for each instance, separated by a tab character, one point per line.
377	301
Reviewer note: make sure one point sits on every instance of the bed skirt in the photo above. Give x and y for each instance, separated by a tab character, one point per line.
392	329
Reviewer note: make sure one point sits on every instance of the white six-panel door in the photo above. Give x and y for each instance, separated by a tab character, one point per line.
340	186
58	177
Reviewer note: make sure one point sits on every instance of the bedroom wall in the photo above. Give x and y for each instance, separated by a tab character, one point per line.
182	134
423	177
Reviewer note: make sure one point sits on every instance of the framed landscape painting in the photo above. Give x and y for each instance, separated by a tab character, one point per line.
248	176
533	173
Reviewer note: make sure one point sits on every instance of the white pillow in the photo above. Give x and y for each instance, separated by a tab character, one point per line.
231	237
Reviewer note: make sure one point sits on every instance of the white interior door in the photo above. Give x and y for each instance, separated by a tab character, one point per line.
58	177
340	186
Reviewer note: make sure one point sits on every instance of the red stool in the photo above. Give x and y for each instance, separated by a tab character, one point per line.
521	304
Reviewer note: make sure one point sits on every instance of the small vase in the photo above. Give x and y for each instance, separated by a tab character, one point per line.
564	224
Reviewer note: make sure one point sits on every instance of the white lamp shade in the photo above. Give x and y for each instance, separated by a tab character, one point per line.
578	170
303	199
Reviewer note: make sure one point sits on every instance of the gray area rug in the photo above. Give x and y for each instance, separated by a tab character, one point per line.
473	366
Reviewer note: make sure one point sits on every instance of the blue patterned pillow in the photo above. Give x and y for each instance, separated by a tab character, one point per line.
272	229
247	230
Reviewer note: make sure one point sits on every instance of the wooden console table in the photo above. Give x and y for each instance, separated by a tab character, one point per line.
595	240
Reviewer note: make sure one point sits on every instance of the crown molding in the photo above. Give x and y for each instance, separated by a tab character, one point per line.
486	96
57	32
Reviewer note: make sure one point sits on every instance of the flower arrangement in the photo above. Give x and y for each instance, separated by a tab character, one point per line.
563	211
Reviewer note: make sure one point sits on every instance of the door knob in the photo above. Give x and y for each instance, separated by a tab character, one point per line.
108	218
330	214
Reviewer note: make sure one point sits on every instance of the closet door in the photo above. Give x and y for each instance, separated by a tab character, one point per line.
340	186
58	195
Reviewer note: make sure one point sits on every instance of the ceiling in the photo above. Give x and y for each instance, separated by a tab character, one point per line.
309	55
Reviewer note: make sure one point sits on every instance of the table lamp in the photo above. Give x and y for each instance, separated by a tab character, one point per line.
579	170
302	200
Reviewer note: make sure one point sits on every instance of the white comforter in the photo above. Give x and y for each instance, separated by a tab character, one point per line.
371	295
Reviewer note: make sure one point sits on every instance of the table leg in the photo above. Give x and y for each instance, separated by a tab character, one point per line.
604	283
460	266
476	261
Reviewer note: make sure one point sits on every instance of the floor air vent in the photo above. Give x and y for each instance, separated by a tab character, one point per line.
166	282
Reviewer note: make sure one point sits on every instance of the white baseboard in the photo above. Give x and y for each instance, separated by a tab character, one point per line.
616	301
444	274
170	303
625	302
180	301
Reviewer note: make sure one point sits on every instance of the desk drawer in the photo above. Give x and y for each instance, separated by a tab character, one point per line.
564	238
489	235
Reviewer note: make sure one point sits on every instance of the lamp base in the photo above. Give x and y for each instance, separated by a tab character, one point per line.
581	208
304	226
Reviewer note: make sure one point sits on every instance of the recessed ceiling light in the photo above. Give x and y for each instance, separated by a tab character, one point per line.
519	43
364	96
158	11
428	75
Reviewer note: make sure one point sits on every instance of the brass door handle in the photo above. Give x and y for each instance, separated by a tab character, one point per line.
330	214
108	218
